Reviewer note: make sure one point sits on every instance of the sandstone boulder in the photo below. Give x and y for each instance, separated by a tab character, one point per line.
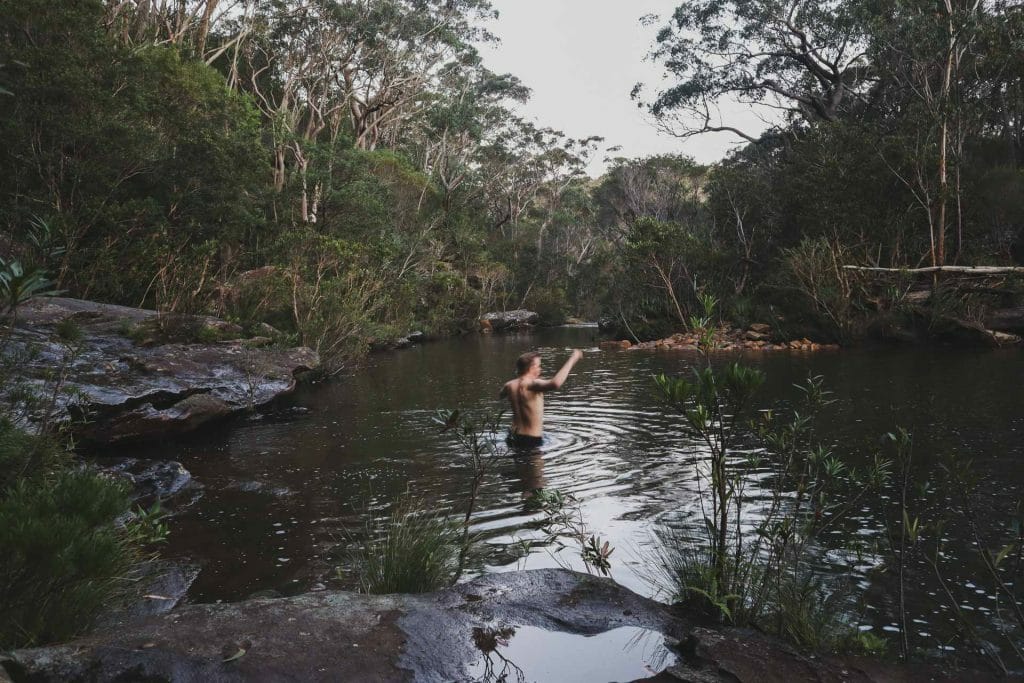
122	386
509	320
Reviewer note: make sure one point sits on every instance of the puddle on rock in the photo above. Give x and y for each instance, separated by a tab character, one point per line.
527	654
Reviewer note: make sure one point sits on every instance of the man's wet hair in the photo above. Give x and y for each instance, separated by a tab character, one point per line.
524	361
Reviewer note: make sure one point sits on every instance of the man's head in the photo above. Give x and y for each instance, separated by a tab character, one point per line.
528	363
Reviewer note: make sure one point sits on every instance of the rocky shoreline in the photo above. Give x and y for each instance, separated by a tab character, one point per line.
116	374
539	625
758	337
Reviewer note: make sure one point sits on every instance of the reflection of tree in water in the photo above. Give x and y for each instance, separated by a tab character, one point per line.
497	667
654	648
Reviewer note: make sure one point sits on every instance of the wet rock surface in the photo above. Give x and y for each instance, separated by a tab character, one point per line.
133	375
499	321
151	480
164	587
468	632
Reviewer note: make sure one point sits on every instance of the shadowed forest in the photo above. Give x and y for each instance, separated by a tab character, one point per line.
350	171
339	174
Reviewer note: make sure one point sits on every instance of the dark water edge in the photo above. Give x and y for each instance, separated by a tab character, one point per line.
286	493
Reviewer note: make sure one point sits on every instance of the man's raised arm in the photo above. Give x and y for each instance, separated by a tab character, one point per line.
558	380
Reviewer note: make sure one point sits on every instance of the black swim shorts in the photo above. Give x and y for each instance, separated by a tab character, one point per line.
524	440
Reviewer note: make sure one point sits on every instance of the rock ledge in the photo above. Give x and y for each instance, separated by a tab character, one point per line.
467	632
130	385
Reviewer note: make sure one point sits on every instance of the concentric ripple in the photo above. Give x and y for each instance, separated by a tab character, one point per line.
284	497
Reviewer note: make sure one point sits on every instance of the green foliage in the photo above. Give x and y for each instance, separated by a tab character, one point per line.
18	285
550	303
755	567
140	153
444	302
68	331
412	550
832	299
70	545
68	551
23	455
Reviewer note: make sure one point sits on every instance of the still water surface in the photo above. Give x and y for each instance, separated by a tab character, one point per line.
285	493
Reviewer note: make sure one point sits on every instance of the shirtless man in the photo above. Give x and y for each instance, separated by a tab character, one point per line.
526	396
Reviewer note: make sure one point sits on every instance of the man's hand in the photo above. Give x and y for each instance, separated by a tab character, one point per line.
558	380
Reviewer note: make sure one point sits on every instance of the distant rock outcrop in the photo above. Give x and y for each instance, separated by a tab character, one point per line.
127	374
500	321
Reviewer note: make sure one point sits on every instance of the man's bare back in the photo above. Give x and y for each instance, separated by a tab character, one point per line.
525	394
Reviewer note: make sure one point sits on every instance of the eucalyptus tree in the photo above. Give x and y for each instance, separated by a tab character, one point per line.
947	69
804	61
663	187
185	23
362	70
466	113
523	164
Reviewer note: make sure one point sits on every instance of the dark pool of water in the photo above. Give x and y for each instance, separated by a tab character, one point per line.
285	493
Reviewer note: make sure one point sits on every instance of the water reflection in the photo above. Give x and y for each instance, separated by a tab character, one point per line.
290	487
521	653
530	470
497	668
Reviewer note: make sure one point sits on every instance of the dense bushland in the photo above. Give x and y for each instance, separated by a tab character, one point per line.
363	156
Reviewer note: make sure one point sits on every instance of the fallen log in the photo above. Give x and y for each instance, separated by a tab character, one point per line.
971	270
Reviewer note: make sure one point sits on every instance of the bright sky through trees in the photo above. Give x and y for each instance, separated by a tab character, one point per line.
581	58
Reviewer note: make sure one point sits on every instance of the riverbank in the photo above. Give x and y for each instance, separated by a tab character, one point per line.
115	374
758	337
544	625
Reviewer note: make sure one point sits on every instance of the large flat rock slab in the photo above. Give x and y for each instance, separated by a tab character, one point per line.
120	383
541	625
342	636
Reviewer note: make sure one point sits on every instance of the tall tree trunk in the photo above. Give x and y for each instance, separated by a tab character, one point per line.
204	27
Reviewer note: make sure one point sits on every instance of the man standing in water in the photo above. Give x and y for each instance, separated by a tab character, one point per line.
526	396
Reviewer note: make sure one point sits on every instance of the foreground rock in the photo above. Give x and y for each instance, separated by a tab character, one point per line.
544	625
135	374
500	321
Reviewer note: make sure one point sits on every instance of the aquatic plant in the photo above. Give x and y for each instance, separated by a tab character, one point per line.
412	550
479	436
751	566
563	519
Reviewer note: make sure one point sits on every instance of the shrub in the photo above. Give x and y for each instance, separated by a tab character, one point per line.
22	454
65	555
69	546
832	298
550	303
446	302
413	550
750	560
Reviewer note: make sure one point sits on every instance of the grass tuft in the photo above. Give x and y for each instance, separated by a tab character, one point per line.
412	550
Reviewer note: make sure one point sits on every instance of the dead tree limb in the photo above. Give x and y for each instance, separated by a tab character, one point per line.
967	270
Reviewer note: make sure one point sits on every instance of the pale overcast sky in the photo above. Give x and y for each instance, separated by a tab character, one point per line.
581	58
